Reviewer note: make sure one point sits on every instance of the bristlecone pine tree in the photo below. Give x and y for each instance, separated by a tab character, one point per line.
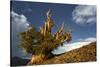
41	43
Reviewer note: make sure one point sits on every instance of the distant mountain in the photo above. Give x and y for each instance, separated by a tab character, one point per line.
86	53
17	61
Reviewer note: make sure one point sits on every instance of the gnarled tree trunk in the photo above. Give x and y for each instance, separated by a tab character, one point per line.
36	59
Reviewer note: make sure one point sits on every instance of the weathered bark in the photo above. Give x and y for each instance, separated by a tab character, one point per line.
37	59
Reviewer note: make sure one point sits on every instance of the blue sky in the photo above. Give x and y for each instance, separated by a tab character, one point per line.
80	18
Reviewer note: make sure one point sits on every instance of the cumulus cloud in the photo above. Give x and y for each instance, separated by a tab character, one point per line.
70	46
89	39
84	14
19	24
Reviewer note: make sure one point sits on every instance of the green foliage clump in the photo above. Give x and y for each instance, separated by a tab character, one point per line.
35	43
43	41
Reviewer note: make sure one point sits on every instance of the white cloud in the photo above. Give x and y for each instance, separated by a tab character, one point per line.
89	39
84	14
19	24
70	46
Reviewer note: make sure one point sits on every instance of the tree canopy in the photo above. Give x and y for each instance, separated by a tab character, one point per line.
43	41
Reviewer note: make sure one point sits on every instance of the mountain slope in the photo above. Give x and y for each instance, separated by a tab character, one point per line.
83	54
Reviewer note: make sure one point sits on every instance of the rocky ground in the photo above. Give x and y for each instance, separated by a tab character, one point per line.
84	54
